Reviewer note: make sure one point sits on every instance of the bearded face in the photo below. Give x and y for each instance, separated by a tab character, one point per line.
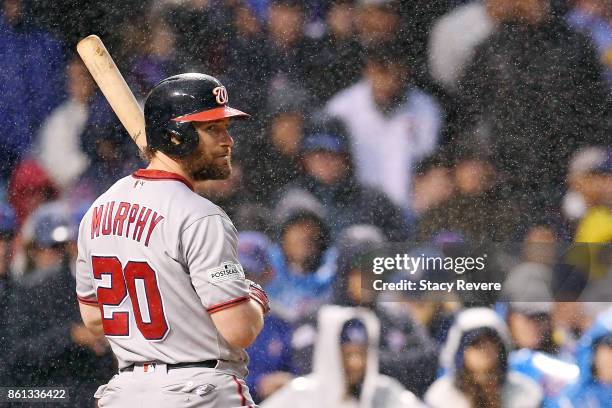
213	158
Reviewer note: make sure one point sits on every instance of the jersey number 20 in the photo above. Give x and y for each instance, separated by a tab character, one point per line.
138	281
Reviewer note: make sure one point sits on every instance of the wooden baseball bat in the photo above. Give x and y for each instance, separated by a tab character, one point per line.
118	94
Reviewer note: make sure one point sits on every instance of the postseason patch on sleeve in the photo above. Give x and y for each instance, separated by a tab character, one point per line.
227	271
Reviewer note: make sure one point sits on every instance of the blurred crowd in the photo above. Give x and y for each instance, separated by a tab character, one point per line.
373	121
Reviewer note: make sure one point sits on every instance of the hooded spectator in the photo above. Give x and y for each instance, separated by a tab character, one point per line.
406	351
328	178
594	357
304	262
475	361
345	370
270	363
352	244
390	122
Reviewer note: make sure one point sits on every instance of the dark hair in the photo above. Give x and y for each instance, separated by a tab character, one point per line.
437	160
323	241
390	52
463	380
606	341
308	216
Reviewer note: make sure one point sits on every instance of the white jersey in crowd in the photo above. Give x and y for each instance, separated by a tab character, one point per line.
158	259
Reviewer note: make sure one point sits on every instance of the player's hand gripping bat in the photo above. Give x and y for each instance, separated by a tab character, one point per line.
106	74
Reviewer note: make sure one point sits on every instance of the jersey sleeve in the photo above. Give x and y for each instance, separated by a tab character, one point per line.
209	250
86	291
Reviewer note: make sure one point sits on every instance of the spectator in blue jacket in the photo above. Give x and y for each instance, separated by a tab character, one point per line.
303	261
594	357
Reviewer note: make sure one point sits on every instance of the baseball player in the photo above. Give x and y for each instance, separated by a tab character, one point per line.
157	270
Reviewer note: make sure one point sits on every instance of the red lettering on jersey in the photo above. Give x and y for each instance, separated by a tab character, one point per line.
131	218
95	221
127	214
108	219
123	284
157	326
118	324
120	217
143	217
154	221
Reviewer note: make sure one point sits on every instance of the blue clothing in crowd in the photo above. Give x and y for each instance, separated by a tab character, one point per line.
551	373
31	85
297	294
270	352
587	392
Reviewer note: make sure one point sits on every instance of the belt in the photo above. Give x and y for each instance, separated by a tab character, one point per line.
200	364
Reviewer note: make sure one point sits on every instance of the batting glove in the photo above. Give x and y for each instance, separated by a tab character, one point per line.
259	295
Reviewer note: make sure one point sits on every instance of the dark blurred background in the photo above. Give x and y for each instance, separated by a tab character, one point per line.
374	121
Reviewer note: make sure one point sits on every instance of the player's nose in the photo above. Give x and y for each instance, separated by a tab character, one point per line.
227	139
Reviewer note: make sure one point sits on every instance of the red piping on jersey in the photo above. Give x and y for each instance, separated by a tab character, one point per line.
239	389
225	305
87	301
148	174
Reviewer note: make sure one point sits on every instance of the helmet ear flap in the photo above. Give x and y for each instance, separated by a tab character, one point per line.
181	139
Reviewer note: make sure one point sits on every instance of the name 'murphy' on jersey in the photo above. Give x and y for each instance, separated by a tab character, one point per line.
127	220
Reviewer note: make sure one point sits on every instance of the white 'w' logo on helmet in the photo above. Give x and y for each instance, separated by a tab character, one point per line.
220	95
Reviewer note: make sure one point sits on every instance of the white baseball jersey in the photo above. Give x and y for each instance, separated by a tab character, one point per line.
158	259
